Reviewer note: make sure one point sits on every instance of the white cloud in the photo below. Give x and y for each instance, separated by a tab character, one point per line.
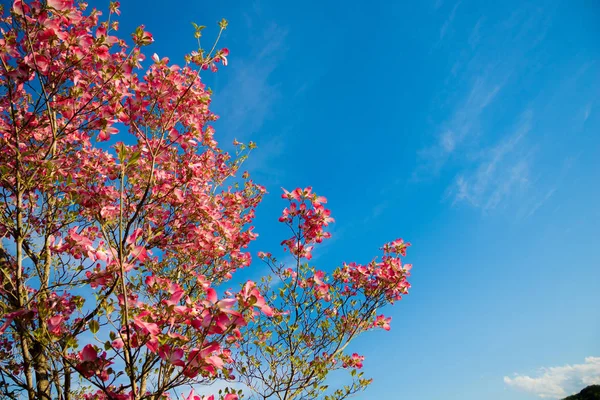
558	382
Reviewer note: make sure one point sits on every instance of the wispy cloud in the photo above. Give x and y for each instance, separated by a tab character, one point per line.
500	170
558	382
248	97
544	194
541	202
485	161
463	123
446	25
587	110
475	35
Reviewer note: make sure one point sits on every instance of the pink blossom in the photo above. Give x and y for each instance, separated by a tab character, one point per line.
382	322
60	5
88	353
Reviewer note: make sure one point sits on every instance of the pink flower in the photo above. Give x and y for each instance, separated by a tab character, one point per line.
60	5
142	37
382	322
20	8
147	327
211	295
11	316
104	134
174	356
88	353
354	362
54	324
175	297
252	297
194	396
223	56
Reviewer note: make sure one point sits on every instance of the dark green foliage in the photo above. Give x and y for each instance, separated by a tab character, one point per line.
589	393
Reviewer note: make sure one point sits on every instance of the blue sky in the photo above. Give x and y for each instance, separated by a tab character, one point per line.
471	129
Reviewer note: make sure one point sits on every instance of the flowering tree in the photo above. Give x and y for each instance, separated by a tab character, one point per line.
315	316
120	216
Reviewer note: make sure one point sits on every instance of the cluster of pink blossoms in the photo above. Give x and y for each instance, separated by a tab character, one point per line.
354	361
387	277
307	217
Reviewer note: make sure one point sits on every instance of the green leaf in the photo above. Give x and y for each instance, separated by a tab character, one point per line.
134	158
71	343
94	326
120	148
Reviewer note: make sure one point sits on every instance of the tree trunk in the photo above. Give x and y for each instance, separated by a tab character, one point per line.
40	365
